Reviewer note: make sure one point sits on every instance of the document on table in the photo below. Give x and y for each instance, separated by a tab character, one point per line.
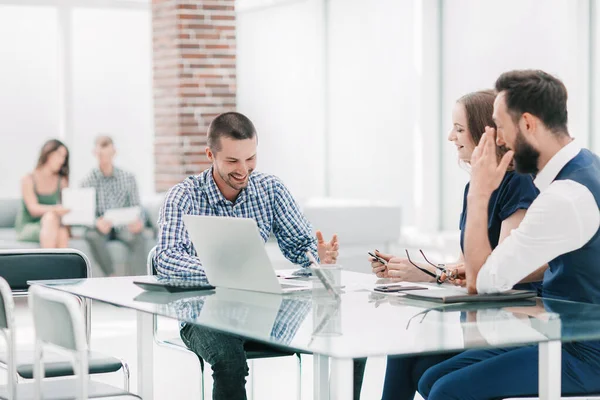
123	216
82	205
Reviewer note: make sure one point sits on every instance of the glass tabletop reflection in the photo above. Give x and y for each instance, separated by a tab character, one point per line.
362	323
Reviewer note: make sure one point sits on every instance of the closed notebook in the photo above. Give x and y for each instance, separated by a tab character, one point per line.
460	296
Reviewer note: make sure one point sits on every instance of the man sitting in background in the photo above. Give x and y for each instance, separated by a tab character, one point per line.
115	188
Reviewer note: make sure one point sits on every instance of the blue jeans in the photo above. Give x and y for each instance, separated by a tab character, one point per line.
402	374
227	357
500	373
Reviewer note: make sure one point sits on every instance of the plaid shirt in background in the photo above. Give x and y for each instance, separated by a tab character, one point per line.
266	200
290	316
116	191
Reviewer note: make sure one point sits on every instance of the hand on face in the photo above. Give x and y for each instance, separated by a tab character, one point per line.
486	172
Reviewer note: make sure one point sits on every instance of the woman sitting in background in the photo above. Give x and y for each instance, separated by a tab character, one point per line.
471	114
40	217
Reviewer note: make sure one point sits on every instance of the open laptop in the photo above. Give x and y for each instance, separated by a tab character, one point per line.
233	255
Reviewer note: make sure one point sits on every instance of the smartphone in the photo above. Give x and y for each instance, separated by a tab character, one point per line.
381	260
397	288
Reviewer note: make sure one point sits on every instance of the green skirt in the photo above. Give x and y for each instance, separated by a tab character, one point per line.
30	232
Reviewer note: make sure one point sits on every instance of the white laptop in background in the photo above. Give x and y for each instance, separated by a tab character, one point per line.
123	216
82	203
233	255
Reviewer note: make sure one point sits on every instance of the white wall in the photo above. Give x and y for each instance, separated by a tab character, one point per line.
485	38
112	89
372	102
280	81
28	90
281	71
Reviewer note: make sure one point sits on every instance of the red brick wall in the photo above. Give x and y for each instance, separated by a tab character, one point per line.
194	80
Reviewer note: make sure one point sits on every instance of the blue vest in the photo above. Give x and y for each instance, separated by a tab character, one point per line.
575	276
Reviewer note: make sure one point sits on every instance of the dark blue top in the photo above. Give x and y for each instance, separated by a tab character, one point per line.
515	192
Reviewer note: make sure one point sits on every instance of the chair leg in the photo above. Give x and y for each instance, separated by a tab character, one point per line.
202	387
299	376
251	397
126	375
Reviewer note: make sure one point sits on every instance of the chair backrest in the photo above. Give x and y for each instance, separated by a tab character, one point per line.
22	265
58	322
150	267
6	328
6	306
10	208
57	318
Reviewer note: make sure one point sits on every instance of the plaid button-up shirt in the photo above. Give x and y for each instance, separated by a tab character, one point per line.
266	200
115	191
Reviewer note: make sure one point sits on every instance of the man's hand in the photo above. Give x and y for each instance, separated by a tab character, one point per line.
328	251
103	226
136	226
486	172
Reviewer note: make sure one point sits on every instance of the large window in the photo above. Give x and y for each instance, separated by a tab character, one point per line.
86	63
29	112
112	89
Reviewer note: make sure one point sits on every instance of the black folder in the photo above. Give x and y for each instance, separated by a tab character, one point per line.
456	296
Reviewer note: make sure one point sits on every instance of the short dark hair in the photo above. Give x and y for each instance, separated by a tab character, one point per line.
231	125
50	147
538	93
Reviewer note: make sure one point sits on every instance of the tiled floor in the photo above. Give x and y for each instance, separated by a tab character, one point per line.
177	374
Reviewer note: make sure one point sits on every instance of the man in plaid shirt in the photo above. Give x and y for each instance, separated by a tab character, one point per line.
231	188
115	188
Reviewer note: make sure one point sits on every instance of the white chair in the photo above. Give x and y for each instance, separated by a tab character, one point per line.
59	325
20	266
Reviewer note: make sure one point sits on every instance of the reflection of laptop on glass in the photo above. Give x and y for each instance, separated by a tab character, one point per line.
251	312
233	254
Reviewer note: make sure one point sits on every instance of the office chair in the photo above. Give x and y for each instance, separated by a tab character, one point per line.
18	267
254	350
67	337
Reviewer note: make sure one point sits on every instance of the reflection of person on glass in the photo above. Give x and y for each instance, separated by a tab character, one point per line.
561	229
507	205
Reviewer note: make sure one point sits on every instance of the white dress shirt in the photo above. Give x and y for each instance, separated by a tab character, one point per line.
563	218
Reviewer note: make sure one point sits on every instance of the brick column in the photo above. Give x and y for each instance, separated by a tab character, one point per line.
194	80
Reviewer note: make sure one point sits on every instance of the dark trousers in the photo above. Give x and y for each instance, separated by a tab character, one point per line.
402	375
501	373
136	257
225	353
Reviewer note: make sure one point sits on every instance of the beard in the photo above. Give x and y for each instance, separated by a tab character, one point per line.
231	182
525	157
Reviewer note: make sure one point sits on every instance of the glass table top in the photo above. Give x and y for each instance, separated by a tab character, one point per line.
362	323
